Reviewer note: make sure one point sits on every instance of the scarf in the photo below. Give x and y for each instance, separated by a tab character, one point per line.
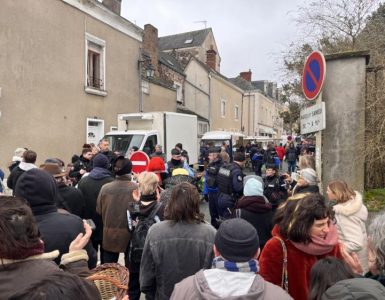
249	266
320	246
22	252
255	204
99	173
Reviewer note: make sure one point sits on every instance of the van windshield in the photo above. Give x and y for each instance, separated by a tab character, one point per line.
122	143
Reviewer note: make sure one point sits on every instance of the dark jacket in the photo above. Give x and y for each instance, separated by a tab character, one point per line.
112	204
72	200
291	154
13	177
258	212
172	252
274	188
90	187
81	164
20	275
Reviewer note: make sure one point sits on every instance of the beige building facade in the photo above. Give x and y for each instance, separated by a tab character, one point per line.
68	68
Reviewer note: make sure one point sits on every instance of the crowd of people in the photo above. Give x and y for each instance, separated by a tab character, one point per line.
271	237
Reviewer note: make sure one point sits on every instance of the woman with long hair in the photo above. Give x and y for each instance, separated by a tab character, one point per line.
178	247
351	215
304	234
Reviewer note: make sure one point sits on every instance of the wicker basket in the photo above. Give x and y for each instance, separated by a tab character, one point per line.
111	280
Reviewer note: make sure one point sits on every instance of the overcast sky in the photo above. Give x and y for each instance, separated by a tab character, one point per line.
250	34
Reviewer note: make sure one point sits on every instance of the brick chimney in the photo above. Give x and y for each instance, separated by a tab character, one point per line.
246	75
150	44
211	58
113	5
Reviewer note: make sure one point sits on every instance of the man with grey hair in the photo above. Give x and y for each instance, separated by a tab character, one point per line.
158	152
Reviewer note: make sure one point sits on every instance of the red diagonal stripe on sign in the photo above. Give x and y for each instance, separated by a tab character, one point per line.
308	70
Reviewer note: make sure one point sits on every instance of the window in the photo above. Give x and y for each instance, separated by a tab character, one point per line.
236	112
95	65
202	128
179	94
188	41
223	108
149	146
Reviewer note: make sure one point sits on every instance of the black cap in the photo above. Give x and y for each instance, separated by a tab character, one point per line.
175	152
215	150
237	240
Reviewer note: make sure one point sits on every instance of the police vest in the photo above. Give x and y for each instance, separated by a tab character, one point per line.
225	178
212	172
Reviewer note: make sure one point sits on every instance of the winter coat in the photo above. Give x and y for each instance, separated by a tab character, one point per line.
81	164
172	252
58	230
19	275
72	200
280	152
351	217
17	172
227	285
90	188
258	212
112	204
299	265
291	154
305	189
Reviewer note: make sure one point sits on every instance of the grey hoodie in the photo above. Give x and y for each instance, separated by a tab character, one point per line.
214	284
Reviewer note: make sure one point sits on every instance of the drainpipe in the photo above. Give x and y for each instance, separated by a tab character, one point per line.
209	75
242	114
140	81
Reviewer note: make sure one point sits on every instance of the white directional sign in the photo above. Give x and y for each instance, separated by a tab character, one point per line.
313	118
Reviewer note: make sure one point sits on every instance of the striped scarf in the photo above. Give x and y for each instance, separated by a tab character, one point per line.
249	266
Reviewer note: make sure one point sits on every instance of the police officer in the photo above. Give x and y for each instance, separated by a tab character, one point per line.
230	185
211	185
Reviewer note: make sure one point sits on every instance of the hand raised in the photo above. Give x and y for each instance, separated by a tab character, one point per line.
82	239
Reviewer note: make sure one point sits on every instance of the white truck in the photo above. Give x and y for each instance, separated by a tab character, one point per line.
145	130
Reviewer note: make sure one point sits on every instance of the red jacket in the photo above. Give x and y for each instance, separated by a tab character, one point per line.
298	265
280	151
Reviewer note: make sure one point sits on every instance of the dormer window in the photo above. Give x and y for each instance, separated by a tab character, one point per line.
189	41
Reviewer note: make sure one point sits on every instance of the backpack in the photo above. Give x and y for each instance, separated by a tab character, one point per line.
139	234
291	155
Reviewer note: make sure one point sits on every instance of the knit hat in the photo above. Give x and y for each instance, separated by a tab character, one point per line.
246	178
156	164
39	189
179	171
253	187
237	240
53	169
175	151
309	175
355	289
101	161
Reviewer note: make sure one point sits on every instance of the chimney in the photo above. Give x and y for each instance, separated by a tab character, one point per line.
211	58
150	44
113	5
246	75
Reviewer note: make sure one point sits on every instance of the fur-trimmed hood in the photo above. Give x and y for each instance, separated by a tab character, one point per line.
48	256
353	206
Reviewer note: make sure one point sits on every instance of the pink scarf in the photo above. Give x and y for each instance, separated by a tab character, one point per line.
320	246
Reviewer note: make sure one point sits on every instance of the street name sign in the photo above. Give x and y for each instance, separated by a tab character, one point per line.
313	75
313	119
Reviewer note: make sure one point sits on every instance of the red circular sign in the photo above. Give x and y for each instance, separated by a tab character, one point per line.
313	75
139	161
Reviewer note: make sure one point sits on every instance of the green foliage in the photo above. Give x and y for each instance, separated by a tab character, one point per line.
375	199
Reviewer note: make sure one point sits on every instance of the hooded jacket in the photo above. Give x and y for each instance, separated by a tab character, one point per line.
214	284
57	229
19	275
17	172
351	217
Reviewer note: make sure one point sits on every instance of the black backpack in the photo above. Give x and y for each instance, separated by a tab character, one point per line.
139	234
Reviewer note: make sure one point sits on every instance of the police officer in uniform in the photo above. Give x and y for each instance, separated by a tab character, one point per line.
211	185
230	185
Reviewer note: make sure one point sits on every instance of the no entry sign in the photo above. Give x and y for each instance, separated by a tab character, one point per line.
313	75
139	161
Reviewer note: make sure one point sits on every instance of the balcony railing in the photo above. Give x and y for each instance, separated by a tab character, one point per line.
95	82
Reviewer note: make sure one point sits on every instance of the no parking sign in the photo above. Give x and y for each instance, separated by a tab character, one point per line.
313	75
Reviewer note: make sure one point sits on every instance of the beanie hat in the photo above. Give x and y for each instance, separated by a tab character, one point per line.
253	187
309	175
175	152
246	178
39	188
179	171
156	164
123	166
355	289
101	161
237	240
